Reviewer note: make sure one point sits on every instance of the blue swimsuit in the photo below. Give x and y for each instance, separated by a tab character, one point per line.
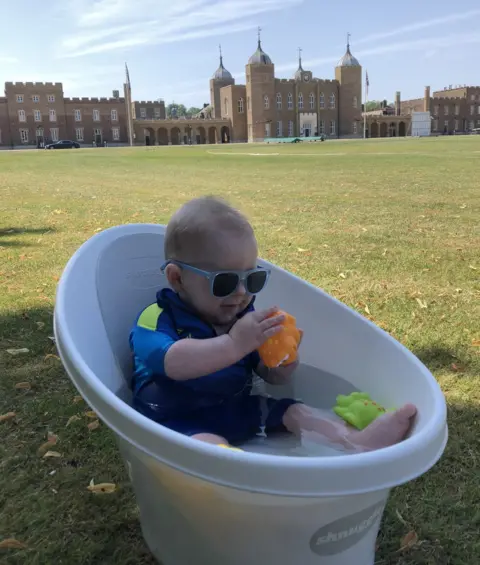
220	403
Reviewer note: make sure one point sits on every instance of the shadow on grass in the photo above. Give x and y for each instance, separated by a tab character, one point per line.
47	506
438	358
11	232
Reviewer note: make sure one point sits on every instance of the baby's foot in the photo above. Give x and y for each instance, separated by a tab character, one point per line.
388	429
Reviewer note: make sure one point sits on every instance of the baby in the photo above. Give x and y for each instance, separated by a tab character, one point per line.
195	349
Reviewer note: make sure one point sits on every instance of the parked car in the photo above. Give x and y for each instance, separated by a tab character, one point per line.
63	144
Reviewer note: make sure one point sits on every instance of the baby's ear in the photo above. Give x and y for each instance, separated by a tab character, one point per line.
174	276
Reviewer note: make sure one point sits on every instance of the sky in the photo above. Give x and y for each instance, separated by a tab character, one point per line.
171	47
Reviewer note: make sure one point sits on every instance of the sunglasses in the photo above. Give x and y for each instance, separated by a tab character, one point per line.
225	283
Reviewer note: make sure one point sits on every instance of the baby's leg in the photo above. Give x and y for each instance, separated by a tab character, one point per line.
388	429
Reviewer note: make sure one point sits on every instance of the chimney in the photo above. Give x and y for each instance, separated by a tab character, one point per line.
426	100
398	104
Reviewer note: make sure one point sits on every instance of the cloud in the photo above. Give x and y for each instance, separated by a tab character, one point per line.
113	25
6	59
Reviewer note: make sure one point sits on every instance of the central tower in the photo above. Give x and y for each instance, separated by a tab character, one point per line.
260	89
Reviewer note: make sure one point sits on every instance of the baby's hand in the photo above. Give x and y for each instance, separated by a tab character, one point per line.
254	329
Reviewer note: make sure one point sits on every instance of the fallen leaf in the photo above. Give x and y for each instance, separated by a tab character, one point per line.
12	543
302	250
52	454
342	275
52	338
101	488
77	399
367	310
409	540
7	416
19	351
40	325
93	425
463	206
472	267
421	303
91	414
52	440
23	386
72	419
51	356
384	252
476	342
400	517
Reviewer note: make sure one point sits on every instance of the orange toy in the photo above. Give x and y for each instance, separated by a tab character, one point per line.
281	349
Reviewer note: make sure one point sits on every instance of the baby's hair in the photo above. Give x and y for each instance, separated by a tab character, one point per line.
199	224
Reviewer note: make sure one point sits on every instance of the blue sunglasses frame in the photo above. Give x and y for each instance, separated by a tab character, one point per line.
211	275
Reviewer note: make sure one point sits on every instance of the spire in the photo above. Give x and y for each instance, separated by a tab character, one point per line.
259	37
127	75
348	60
221	73
300	68
221	58
348	42
259	57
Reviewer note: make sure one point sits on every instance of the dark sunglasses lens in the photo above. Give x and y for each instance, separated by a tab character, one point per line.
225	284
256	281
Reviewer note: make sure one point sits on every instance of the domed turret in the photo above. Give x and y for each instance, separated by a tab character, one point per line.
259	57
221	73
348	60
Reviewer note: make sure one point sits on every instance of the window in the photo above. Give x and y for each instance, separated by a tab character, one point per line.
96	115
457	109
355	103
300	101
51	97
240	106
52	113
332	127
471	125
279	129
156	113
24	135
290	101
37	115
115	134
79	134
36	98
39	132
143	112
445	110
266	102
290	128
21	116
78	115
225	106
321	126
456	125
114	115
435	110
311	101
331	102
279	101
321	100
97	133
478	109
54	134
435	125
472	110
267	130
472	97
445	124
20	100
354	129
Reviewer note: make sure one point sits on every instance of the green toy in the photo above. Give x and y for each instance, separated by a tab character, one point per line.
358	409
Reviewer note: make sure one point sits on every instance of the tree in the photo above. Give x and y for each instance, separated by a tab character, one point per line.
175	110
193	111
372	105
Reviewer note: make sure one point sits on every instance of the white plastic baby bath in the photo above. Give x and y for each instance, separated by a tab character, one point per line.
203	505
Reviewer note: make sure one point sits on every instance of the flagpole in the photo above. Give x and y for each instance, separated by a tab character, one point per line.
365	107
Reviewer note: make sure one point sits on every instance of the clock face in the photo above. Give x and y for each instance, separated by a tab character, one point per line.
306	78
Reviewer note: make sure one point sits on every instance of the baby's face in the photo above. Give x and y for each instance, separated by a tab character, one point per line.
232	254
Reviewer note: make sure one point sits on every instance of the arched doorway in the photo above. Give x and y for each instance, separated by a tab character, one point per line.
383	129
212	135
40	137
225	135
162	135
175	136
392	130
149	136
401	129
374	130
201	135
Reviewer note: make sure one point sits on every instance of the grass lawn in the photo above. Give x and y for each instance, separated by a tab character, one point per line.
388	227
